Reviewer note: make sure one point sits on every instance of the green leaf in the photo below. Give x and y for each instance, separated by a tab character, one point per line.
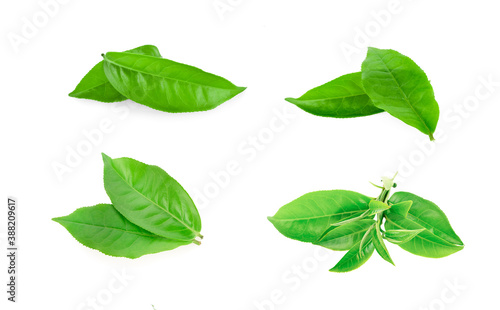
396	84
437	240
103	228
166	85
309	216
356	257
95	84
344	237
150	198
398	236
377	206
343	97
379	244
402	207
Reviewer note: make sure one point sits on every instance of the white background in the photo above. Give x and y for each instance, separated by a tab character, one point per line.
277	49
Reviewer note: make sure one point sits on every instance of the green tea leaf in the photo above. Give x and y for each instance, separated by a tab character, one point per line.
429	215
148	197
377	206
95	84
166	85
437	240
103	228
356	257
344	237
398	236
309	216
343	97
379	244
396	84
402	208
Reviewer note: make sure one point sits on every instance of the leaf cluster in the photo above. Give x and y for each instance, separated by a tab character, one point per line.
388	81
343	220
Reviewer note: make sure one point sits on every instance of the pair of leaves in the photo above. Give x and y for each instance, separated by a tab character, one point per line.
150	213
388	81
343	220
144	77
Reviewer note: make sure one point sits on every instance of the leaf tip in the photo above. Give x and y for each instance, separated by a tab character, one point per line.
291	100
105	158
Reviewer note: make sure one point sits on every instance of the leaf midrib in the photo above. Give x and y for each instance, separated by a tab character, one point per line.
404	95
115	228
169	78
331	98
155	204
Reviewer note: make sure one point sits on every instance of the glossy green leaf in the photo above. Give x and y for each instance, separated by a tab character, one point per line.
377	206
437	240
150	198
356	257
402	208
309	216
103	228
344	237
341	98
398	236
166	85
379	245
95	84
396	84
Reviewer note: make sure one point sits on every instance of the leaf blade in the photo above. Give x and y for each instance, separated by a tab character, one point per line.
398	236
343	97
309	216
396	84
345	236
355	257
150	198
377	206
166	85
102	228
379	245
402	208
428	215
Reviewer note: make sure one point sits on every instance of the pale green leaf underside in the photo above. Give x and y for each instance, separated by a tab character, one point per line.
166	85
398	236
103	228
309	216
95	85
401	208
396	84
346	236
377	206
148	197
379	245
341	98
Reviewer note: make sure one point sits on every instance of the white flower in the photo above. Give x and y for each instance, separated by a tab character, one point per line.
388	182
